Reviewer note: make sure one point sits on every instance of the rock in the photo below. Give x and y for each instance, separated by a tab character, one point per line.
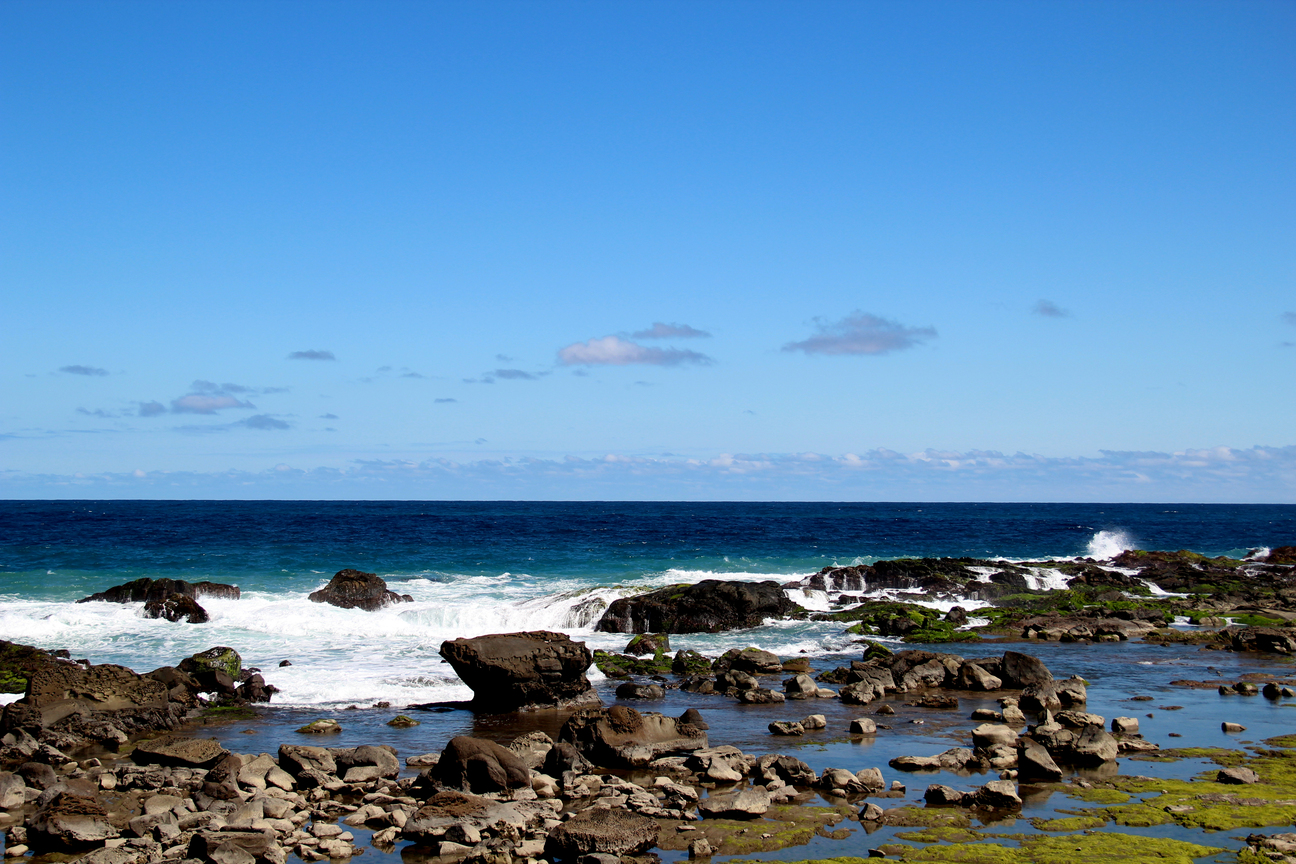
234	847
648	644
989	734
620	736
519	671
617	832
368	759
1022	670
957	616
1237	776
70	822
871	779
532	749
564	757
324	726
786	727
694	718
1041	697
402	721
761	696
690	663
1094	745
752	660
1125	725
700	849
1079	719
722	764
13	791
801	687
1034	762
172	750
630	690
749	803
176	608
709	606
939	795
871	812
220	659
999	795
973	677
353	589
1274	640
146	590
477	765
38	775
787	769
863	726
59	690
1232	727
859	693
815	721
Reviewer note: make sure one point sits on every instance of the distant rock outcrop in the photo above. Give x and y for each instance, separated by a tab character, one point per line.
710	606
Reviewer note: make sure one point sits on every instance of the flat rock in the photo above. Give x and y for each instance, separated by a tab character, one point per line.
517	671
179	752
598	831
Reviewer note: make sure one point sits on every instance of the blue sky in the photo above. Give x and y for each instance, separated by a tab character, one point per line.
861	251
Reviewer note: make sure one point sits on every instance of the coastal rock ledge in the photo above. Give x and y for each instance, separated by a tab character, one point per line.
353	589
522	671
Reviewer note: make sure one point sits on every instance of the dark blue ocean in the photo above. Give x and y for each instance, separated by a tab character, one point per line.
475	567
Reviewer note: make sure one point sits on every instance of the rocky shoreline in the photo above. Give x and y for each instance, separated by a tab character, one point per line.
87	773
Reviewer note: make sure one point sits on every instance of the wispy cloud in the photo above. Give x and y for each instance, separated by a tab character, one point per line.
206	403
98	412
615	351
1049	309
264	421
151	409
445	401
91	371
328	416
515	375
861	333
1290	318
660	330
311	355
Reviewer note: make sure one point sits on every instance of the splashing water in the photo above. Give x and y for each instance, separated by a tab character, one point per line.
1106	545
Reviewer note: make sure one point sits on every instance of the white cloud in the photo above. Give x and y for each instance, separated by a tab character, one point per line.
615	351
204	403
861	333
660	330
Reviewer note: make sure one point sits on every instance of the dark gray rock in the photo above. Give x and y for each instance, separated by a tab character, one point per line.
513	671
709	606
354	589
597	831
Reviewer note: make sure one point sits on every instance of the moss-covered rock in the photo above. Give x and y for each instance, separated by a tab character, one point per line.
219	659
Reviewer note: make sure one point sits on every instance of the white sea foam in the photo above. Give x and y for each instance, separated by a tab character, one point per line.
1106	545
1046	579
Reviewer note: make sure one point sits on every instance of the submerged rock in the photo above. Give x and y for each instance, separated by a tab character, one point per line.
146	590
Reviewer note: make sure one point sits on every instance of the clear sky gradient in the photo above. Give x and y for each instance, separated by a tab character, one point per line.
861	251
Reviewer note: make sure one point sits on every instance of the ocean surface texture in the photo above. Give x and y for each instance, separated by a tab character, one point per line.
475	568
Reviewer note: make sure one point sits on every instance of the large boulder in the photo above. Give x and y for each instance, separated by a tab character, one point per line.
710	606
598	831
145	590
177	607
56	691
1022	670
1273	640
518	671
353	589
621	736
173	750
477	765
753	661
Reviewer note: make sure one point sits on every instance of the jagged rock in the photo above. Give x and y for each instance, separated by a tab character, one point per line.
1034	762
1125	725
620	736
176	608
973	677
1094	745
532	749
176	751
870	779
723	764
690	663
761	696
787	769
748	803
216	669
402	721
859	693
871	812
597	831
1274	640
564	757
517	671
366	762
12	790
801	687
709	606
323	726
231	846
693	717
353	589
786	727
477	765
